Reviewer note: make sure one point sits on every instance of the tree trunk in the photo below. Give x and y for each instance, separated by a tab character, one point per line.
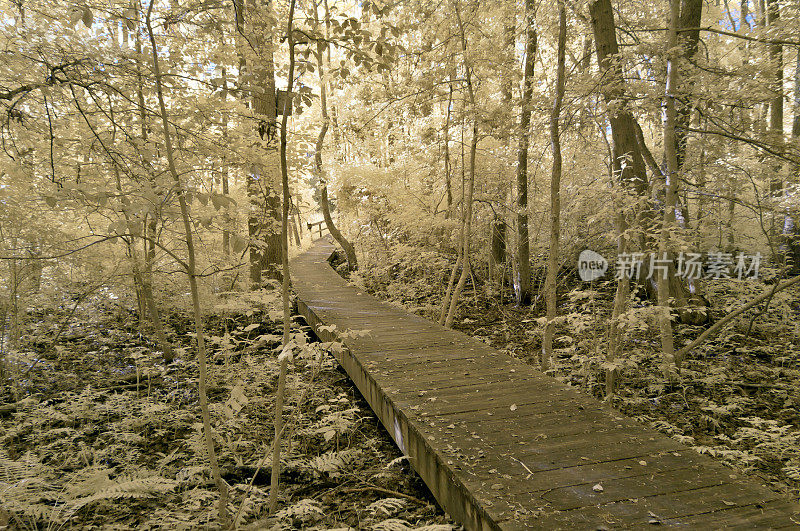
791	230
14	283
628	153
192	274
35	265
585	119
144	288
349	250
143	279
447	179
775	125
555	192
256	57
670	203
287	317
523	280
226	219
691	12
294	224
625	147
150	226
467	221
451	282
497	250
624	144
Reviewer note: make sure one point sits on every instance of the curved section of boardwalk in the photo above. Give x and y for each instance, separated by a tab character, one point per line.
502	446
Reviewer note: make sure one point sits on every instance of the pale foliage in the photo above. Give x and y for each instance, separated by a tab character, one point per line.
28	488
386	506
306	511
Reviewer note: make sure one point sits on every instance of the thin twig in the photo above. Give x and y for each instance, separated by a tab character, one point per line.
388	492
530	472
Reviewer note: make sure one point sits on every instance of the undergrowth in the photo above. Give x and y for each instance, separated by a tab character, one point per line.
104	435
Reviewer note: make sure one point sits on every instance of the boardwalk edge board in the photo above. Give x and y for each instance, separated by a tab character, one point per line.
454	464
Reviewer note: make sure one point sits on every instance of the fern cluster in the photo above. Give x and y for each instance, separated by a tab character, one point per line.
99	456
29	489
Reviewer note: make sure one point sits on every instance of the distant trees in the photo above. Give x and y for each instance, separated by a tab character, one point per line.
674	184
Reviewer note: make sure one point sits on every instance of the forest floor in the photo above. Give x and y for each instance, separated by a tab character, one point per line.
737	397
97	432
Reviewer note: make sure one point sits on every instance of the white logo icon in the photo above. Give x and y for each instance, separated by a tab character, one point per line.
591	265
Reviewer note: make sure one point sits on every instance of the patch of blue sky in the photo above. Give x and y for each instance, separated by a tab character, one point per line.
735	16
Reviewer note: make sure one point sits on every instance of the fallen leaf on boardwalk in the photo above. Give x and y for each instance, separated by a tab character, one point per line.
513	407
598	488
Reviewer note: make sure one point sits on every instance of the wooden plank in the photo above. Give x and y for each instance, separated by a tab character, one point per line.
401	348
524	409
478	392
435	369
506	366
698	504
511	399
769	515
581	474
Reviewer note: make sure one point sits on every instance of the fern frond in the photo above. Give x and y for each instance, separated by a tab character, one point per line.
387	506
14	471
392	524
333	462
124	487
306	510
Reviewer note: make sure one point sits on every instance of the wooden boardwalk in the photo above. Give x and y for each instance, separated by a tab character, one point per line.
502	446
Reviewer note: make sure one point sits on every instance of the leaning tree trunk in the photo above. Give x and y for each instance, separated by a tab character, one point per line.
349	250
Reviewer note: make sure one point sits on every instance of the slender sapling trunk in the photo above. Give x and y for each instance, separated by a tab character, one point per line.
222	486
287	317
